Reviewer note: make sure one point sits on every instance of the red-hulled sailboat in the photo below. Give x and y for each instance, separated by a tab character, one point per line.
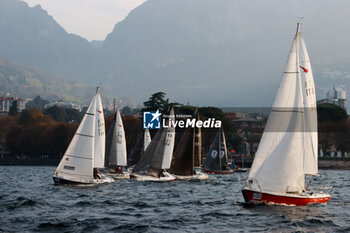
288	147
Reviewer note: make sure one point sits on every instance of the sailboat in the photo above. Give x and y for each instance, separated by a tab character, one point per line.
288	147
84	151
186	156
156	160
116	149
142	143
216	161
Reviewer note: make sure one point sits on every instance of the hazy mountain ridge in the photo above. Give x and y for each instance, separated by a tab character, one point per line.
31	37
228	53
27	82
224	52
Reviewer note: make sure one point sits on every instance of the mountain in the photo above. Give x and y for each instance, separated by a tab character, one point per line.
31	37
224	53
28	82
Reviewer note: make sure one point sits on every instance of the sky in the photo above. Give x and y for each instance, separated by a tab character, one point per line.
91	19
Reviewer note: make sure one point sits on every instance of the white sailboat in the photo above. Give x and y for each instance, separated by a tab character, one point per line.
288	148
116	153
77	164
156	160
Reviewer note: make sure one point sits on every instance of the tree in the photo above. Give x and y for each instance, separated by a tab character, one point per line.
330	113
57	113
37	103
73	115
126	110
14	109
31	117
155	102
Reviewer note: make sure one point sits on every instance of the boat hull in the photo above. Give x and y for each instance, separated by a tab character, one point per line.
197	176
240	170
62	180
123	175
257	197
144	177
219	172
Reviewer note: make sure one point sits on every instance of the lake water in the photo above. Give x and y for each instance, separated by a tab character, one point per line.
30	202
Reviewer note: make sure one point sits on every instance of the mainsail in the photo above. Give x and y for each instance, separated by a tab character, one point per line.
116	153
279	161
216	159
183	161
159	153
100	137
77	162
153	156
140	147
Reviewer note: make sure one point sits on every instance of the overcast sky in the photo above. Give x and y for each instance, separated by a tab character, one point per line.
91	19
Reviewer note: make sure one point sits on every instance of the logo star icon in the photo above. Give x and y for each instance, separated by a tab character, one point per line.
156	115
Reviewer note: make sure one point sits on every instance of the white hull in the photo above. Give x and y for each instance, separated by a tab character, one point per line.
167	177
81	180
123	175
198	176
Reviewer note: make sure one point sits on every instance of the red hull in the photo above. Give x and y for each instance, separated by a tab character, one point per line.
219	172
258	197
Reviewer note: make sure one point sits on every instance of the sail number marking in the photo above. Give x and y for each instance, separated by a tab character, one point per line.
257	196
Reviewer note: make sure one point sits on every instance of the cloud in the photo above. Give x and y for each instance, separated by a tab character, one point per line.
90	19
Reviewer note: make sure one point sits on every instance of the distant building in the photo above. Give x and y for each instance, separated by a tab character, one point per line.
250	122
335	96
6	103
62	104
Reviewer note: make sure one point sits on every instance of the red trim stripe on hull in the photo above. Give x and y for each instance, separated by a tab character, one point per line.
258	197
219	172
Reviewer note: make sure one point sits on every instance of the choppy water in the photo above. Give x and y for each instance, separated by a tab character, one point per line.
30	202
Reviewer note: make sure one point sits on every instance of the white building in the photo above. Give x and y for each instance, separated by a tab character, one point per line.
337	96
62	104
6	103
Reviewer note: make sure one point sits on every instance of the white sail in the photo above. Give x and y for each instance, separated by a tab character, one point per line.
146	139
100	136
121	142
278	163
309	96
77	162
169	142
